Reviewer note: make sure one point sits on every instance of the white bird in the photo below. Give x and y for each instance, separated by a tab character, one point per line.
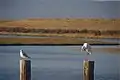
86	47
23	54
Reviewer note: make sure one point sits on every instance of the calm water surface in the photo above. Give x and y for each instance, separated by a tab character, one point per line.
60	62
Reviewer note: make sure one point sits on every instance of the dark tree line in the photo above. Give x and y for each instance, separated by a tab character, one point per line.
58	31
32	30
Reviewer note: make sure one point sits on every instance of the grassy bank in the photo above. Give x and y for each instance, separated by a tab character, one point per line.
48	40
67	35
68	30
66	27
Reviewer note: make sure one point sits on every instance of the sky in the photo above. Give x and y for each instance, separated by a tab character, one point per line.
23	9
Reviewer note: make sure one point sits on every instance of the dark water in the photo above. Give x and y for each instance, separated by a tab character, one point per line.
60	62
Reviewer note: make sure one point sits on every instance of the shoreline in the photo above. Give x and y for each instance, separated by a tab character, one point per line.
57	44
89	36
52	39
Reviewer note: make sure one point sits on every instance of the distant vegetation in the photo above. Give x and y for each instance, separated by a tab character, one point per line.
66	27
58	31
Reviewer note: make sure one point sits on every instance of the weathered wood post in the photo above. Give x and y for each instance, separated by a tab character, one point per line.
25	69
88	70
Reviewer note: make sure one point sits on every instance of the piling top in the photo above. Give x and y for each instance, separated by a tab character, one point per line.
88	60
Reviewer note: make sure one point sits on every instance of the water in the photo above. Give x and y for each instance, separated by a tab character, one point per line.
60	62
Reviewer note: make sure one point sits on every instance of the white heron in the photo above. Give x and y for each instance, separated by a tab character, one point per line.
23	54
86	47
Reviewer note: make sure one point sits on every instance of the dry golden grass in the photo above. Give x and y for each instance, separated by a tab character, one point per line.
66	23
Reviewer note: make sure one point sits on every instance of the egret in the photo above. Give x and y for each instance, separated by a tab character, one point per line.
86	47
23	54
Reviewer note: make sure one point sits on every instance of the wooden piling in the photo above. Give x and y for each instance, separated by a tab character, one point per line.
25	69
88	70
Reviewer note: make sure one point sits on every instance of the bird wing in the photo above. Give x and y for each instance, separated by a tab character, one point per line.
25	55
82	48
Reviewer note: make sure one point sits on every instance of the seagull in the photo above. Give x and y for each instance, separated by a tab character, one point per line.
23	54
86	47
